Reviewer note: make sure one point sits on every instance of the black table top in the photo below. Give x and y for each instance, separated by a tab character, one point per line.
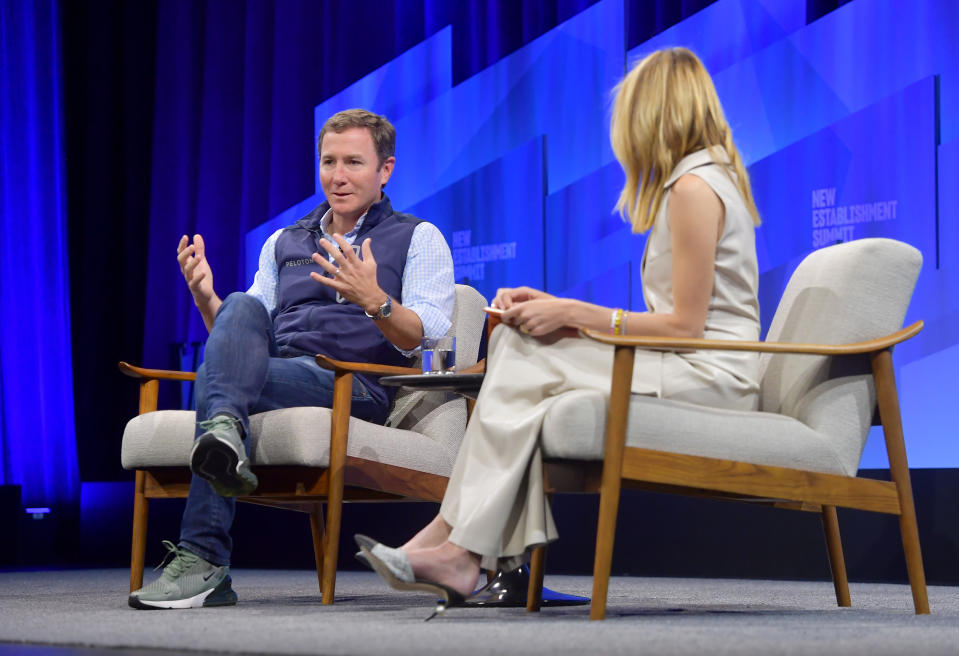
466	384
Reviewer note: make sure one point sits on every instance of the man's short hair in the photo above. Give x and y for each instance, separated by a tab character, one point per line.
381	130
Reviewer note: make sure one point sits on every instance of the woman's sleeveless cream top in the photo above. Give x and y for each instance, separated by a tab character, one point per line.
721	378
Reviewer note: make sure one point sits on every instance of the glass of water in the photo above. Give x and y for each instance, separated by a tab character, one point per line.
439	355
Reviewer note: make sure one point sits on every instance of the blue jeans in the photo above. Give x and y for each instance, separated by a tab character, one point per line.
242	374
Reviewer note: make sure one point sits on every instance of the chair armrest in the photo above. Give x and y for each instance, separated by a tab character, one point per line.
155	374
692	343
364	367
149	382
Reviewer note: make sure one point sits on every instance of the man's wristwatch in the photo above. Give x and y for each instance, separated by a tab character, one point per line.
385	310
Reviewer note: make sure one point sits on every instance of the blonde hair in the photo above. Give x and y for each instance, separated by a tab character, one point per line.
666	108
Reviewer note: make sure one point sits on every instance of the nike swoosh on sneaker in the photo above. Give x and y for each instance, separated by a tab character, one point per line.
207	577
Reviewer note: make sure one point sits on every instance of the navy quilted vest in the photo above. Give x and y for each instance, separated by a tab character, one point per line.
310	319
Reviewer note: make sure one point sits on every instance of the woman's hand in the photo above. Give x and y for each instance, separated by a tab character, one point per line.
506	297
540	316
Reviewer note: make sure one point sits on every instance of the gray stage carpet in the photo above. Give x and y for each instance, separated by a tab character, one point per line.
280	613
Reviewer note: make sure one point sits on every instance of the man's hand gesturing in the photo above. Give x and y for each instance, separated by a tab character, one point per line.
353	278
199	277
195	269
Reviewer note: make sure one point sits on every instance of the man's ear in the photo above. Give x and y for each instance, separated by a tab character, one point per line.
386	170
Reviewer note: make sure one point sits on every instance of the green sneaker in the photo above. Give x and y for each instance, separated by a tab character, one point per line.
219	457
187	581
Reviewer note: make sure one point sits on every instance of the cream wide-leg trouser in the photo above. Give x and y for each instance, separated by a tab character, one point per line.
495	501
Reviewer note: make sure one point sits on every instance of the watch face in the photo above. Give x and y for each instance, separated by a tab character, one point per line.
385	310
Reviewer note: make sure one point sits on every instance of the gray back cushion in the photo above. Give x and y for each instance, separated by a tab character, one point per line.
850	292
439	414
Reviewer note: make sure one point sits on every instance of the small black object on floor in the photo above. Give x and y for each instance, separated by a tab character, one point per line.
508	590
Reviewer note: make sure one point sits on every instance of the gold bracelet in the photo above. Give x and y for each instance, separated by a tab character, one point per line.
615	322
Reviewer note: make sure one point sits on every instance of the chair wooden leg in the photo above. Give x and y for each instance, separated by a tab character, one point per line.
537	568
837	563
616	421
603	562
334	513
139	541
339	427
910	544
149	391
316	526
888	401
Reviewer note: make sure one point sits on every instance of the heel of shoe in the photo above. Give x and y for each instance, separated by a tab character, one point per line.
216	461
222	595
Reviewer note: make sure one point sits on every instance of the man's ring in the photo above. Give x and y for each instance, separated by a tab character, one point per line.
524	330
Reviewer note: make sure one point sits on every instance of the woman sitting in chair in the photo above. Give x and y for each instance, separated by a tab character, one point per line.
686	182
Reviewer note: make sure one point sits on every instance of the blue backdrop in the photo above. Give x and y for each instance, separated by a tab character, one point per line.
845	134
502	113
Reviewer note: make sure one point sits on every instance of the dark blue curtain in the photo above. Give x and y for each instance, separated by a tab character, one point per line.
37	442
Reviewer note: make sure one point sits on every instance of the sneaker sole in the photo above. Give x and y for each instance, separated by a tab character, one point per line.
215	460
221	595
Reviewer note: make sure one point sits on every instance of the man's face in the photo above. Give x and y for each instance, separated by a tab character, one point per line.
349	172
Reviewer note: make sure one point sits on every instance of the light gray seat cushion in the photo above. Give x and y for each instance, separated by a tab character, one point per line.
576	423
292	436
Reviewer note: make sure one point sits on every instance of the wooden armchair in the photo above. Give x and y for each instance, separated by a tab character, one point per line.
826	362
308	457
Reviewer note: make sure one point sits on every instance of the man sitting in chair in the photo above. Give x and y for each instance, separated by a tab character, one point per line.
353	280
